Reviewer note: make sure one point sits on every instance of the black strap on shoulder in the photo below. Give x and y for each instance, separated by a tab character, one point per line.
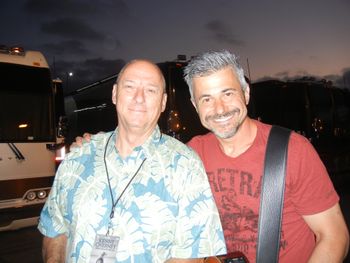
272	195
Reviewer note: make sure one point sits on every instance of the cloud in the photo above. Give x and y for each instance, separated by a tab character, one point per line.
75	7
71	28
264	78
282	74
335	79
345	79
301	73
103	67
222	33
346	72
347	82
340	81
65	7
70	47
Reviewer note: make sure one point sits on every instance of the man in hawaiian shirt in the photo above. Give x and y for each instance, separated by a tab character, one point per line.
133	194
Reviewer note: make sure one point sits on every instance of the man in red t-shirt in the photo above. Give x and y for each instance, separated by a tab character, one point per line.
313	227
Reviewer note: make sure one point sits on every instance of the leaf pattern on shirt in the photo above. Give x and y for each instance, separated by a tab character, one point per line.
166	211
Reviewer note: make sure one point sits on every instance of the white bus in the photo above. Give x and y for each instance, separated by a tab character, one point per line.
31	125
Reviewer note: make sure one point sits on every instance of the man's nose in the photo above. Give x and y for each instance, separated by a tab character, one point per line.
140	95
219	106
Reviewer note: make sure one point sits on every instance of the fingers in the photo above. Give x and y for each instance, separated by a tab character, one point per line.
77	144
79	140
86	136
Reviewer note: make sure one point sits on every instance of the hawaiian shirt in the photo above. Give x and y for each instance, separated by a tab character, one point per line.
160	194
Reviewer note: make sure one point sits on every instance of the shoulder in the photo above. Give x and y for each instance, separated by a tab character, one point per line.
303	158
96	142
169	147
263	129
79	158
174	144
299	147
295	140
202	140
299	143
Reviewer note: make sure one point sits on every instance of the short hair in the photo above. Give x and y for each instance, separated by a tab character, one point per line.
210	62
142	60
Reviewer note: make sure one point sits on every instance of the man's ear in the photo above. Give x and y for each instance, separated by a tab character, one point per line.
247	95
114	94
164	100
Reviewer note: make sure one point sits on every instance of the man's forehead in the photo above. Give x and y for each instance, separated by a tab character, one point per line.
146	71
142	66
143	81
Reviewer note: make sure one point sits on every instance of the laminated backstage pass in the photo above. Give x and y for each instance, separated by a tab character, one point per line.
104	249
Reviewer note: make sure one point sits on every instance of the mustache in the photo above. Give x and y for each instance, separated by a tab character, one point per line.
223	115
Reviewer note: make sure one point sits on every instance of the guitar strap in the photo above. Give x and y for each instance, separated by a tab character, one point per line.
272	195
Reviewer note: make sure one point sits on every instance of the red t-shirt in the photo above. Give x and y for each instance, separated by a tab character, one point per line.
235	183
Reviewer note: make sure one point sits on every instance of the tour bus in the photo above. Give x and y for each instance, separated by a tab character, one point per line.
32	126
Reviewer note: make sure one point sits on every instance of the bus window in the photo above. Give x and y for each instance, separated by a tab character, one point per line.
25	104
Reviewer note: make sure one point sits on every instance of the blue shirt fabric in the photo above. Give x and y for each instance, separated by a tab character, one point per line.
166	211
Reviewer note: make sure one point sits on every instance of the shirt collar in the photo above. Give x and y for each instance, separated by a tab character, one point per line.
148	148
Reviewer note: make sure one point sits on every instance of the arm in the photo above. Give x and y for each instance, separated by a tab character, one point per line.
332	236
54	249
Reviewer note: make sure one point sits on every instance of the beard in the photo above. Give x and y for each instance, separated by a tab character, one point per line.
229	129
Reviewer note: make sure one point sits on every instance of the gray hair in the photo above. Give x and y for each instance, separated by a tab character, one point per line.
210	62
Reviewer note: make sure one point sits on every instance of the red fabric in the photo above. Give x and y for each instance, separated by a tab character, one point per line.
235	183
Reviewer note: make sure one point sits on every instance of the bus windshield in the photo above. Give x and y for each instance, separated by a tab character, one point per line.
26	113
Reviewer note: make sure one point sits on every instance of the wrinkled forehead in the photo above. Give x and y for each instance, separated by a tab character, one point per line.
142	72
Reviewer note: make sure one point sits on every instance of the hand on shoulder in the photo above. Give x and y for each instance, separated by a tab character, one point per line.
80	140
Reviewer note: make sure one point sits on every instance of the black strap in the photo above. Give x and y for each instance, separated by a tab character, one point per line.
272	195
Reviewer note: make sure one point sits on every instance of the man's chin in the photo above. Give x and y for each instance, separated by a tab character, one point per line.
224	134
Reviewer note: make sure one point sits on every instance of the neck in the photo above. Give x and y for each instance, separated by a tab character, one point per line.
241	141
127	140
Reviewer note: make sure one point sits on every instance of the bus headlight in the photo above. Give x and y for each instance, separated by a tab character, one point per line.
41	194
31	196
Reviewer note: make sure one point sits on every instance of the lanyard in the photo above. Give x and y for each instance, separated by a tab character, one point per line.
114	204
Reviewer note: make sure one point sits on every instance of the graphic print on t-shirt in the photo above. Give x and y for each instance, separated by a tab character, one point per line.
238	197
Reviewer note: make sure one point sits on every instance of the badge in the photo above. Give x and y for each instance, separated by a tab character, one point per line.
104	249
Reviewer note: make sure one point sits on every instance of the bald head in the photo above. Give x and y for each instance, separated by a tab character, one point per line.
144	64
